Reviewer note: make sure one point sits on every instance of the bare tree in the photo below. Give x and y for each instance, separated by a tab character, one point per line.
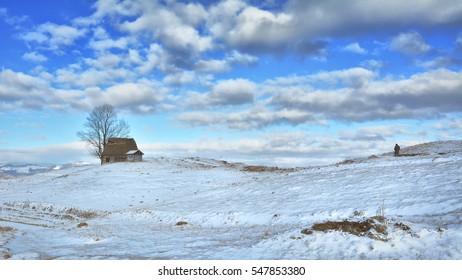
102	124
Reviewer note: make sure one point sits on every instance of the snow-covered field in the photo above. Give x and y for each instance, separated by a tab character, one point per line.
193	208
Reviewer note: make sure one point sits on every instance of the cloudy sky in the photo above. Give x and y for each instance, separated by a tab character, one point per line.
288	83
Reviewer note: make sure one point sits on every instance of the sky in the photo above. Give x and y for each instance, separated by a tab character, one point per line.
286	83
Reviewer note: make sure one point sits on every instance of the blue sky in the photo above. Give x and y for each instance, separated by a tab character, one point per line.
287	83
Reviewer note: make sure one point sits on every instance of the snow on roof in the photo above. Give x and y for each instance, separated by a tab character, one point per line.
132	152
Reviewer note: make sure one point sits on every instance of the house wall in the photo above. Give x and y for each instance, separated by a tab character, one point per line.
128	158
138	158
107	160
134	158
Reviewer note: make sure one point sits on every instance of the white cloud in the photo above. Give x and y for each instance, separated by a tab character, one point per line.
300	24
355	48
422	95
191	14
441	62
57	153
104	70
175	32
180	78
213	65
53	36
37	37
253	118
90	77
231	92
105	44
236	57
352	77
260	117
458	47
350	95
14	21
409	43
226	64
34	57
249	28
372	64
22	90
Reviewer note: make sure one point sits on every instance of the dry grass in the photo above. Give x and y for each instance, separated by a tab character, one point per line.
374	227
81	225
181	223
81	213
260	168
352	227
402	226
6	229
347	161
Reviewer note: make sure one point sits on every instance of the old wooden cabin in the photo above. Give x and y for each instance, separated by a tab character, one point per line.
121	150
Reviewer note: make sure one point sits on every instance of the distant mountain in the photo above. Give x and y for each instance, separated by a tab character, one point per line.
24	169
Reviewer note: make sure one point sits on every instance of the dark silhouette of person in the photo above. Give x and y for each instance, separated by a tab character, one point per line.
397	150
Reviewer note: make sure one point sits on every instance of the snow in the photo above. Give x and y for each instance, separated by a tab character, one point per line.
196	208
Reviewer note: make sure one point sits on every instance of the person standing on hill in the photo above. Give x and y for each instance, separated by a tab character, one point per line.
397	150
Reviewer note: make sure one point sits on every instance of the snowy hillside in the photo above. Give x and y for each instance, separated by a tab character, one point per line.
383	207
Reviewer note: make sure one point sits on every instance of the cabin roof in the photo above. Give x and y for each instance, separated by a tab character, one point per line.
119	146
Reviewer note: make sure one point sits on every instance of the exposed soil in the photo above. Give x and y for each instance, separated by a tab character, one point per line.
260	168
375	227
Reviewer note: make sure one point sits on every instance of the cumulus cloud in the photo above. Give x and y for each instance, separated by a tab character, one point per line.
419	96
34	57
19	90
22	91
257	117
351	95
355	48
441	62
356	17
260	117
174	26
176	38
410	43
372	64
354	95
300	25
53	36
14	21
226	64
226	92
458	47
372	133
254	27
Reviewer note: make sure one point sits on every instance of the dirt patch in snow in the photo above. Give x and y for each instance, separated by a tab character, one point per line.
259	168
375	227
6	229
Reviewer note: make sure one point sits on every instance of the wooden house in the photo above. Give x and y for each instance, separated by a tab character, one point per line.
121	150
